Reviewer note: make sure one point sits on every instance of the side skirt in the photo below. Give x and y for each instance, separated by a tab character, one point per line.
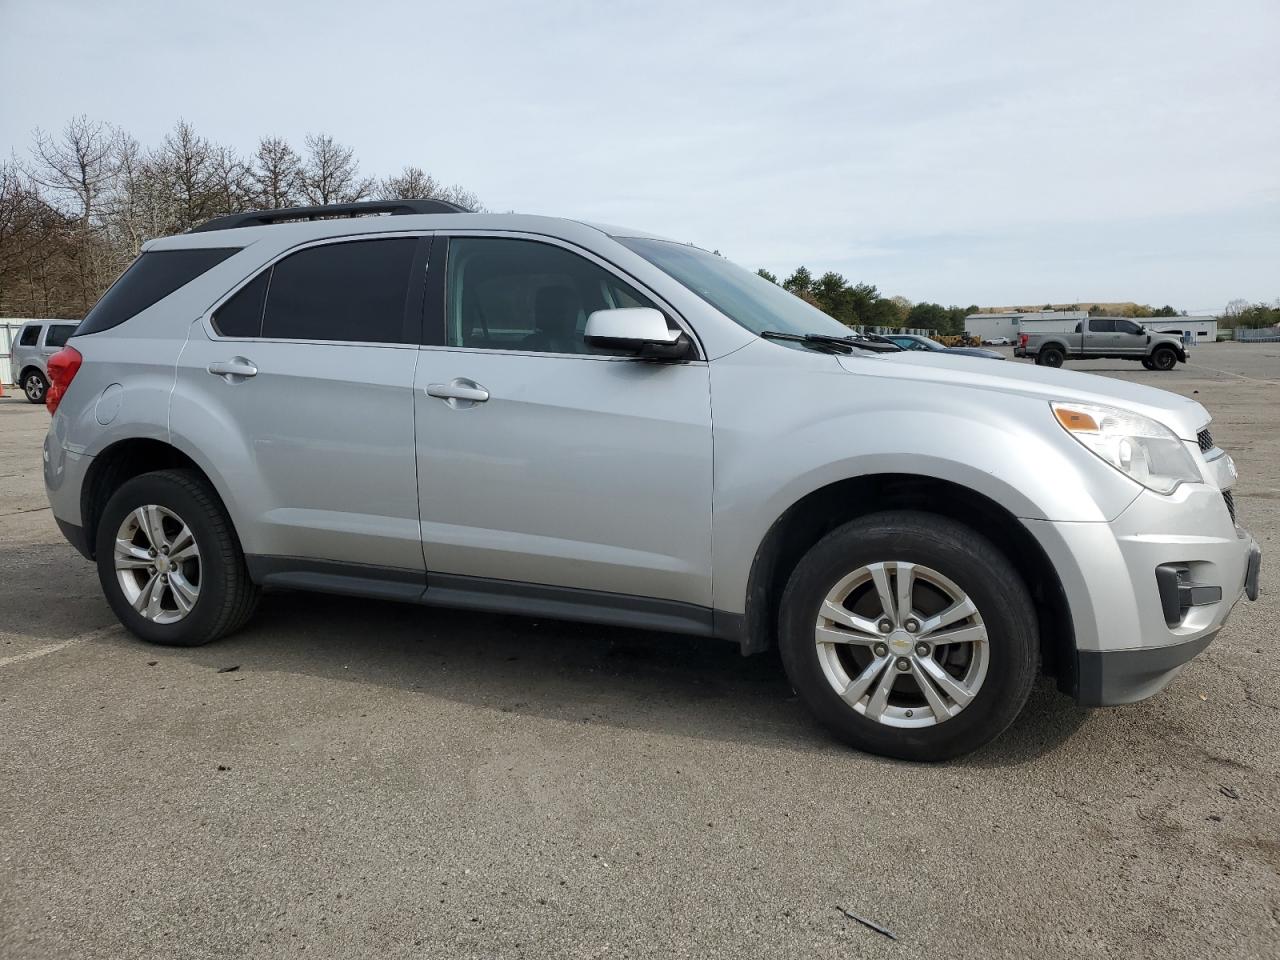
494	596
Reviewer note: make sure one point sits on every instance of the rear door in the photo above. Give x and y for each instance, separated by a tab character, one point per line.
298	388
1101	340
543	461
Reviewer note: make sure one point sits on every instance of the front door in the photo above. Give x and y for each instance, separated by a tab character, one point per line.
1131	339
544	461
299	388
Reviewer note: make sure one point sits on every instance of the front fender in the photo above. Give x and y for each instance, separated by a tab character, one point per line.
771	450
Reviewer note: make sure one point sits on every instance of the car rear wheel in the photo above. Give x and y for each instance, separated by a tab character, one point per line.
35	386
1051	357
909	635
1164	358
169	561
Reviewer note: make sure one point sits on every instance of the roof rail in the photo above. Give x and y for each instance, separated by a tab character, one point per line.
259	218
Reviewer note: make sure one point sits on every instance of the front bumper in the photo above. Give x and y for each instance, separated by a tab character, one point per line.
1131	637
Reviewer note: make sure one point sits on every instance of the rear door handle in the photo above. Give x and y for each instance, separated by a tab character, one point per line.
458	393
234	370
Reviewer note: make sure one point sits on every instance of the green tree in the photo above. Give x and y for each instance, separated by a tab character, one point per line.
799	282
762	272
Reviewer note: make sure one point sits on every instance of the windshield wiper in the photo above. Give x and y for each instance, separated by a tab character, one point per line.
831	343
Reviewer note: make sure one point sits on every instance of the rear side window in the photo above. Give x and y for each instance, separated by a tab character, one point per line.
151	278
352	291
59	334
1102	326
29	336
241	316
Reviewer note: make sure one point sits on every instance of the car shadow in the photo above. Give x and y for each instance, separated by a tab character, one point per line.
569	672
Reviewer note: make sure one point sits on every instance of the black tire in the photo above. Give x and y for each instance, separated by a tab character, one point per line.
1146	362
34	386
963	556
227	596
1164	358
1051	357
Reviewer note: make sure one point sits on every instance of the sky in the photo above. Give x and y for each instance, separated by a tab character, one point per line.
985	152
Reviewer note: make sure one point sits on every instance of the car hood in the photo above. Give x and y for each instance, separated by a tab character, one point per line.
1183	416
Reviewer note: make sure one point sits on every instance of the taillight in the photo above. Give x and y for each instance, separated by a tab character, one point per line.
63	367
1023	338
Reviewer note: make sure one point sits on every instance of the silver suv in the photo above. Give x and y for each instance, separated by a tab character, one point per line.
531	415
36	342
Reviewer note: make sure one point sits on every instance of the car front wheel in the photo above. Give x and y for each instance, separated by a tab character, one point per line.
909	635
169	561
1164	358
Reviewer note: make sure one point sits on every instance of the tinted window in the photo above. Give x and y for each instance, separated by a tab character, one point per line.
1102	326
30	336
59	334
525	295
1127	326
151	278
341	291
241	316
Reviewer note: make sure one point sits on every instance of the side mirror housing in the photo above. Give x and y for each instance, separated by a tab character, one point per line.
640	331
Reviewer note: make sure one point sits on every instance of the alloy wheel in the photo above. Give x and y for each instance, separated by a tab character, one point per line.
157	563
902	644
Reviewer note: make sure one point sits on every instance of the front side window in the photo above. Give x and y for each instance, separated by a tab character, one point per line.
1128	326
352	291
506	294
30	335
744	297
59	334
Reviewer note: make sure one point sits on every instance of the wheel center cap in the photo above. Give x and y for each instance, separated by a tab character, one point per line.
162	563
901	642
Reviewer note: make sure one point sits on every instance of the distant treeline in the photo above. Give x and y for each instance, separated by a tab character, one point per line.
861	304
75	210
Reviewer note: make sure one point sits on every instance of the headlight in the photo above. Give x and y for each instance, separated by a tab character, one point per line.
1138	446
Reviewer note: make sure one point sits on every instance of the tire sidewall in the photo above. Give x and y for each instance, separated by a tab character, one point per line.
197	626
978	569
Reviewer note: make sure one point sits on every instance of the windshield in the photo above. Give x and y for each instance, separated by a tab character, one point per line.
744	297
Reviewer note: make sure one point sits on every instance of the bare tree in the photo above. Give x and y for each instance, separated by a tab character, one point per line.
276	174
79	207
38	269
76	168
331	173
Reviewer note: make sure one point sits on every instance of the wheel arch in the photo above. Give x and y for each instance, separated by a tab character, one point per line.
120	462
815	514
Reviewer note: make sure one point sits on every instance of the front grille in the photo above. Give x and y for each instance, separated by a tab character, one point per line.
1205	439
1231	504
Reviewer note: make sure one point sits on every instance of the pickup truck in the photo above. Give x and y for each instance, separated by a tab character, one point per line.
1110	338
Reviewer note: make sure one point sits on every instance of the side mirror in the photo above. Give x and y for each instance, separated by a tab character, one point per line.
640	331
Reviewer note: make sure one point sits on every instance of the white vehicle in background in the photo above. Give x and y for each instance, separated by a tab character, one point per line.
998	342
36	342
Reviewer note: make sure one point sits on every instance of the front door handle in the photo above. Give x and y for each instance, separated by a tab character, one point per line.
458	393
235	370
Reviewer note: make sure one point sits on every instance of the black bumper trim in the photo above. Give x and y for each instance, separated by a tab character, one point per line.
1252	572
1111	677
76	537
